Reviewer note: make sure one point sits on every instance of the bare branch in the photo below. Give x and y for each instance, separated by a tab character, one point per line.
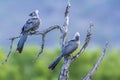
67	9
64	29
41	50
64	74
10	50
67	61
48	30
89	75
13	38
87	40
43	33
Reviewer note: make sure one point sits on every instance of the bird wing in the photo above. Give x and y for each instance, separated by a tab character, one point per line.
70	47
30	24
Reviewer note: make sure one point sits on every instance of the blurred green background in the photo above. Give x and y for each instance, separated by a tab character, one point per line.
21	67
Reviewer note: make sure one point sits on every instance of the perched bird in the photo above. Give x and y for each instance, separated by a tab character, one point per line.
31	25
68	49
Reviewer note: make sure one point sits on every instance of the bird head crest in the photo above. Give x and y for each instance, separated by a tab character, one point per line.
34	13
77	36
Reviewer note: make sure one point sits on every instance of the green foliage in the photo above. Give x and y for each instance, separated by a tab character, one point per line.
21	67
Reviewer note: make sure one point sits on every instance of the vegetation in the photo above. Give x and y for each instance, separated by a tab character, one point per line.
21	67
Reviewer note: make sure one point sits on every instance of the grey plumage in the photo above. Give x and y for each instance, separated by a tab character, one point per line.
21	42
68	49
31	24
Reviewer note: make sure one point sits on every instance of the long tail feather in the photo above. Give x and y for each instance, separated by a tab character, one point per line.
21	42
56	61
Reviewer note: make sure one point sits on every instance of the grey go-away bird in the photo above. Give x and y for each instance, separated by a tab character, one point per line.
31	25
68	49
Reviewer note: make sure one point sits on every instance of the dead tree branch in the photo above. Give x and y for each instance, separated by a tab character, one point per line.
87	40
64	28
43	33
64	74
89	75
10	50
68	60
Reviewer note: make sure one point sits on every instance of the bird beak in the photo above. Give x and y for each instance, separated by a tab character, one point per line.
30	14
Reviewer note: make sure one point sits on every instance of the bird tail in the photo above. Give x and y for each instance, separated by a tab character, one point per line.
21	42
56	61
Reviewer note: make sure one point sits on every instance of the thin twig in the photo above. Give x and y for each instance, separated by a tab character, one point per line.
64	28
41	50
89	75
87	40
48	30
10	50
43	33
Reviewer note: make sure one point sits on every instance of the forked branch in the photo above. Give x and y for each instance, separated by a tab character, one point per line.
43	33
10	50
68	60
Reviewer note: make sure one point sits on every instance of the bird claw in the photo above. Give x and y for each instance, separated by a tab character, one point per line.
33	32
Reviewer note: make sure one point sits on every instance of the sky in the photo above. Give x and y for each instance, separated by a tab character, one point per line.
105	14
